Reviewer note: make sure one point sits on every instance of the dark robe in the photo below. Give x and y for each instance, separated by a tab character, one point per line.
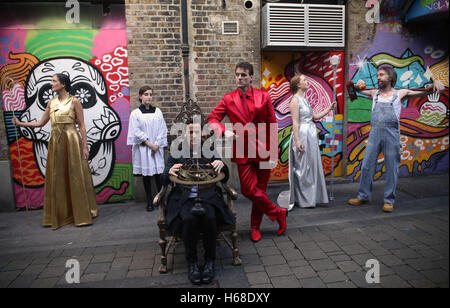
179	196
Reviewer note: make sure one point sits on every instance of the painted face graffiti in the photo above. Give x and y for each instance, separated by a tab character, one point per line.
88	85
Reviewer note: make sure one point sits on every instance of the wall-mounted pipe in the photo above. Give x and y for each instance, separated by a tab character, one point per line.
185	46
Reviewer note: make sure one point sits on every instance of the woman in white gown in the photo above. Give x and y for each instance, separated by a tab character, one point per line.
306	177
147	133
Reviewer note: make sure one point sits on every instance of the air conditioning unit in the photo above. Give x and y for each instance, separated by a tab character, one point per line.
302	25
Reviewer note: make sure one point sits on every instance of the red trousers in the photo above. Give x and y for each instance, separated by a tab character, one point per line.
253	186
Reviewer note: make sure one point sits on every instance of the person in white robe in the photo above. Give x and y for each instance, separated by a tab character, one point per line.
147	134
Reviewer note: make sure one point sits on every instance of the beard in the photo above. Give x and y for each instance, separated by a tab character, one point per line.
382	84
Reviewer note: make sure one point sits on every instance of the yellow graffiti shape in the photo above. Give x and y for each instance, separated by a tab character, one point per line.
440	71
273	65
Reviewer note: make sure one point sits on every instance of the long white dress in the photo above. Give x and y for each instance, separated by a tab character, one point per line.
147	125
306	177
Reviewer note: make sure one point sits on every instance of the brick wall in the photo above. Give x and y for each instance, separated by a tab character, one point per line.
213	56
359	32
154	50
154	54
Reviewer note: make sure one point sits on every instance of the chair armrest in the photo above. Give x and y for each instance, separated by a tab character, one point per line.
231	192
157	201
231	195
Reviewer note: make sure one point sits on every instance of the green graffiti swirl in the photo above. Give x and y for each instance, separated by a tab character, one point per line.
384	58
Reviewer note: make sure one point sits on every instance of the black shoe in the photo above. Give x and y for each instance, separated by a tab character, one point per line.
150	207
208	272
195	276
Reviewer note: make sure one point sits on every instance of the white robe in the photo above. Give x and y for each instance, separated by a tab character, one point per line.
151	127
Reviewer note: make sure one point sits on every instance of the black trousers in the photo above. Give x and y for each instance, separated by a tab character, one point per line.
148	186
193	226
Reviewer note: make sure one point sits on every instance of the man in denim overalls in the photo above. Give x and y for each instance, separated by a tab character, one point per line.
385	134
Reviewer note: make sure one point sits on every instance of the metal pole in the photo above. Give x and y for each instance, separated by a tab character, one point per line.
185	46
334	60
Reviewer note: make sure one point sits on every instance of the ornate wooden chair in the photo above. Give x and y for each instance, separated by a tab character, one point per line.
168	240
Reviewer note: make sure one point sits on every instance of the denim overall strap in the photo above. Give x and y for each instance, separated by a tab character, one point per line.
383	114
394	97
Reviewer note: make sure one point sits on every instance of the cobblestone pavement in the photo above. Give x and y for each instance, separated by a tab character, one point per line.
325	247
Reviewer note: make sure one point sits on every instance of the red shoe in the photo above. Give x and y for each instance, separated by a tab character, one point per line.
282	221
256	235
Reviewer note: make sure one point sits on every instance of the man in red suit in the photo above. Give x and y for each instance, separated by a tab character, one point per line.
252	110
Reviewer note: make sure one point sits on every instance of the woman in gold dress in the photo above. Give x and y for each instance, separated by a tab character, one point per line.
69	190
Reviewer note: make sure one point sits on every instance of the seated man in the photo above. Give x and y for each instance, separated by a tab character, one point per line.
180	218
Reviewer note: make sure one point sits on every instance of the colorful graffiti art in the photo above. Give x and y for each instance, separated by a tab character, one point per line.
96	62
423	121
277	68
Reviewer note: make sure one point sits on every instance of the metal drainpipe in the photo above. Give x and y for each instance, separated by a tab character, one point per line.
185	46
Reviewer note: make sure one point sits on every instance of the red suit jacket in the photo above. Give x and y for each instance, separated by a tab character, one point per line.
262	111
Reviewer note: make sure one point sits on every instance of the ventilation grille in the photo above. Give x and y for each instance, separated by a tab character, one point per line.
287	25
230	27
303	25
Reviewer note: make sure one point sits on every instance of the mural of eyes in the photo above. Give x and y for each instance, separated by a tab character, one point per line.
103	125
85	93
107	127
45	95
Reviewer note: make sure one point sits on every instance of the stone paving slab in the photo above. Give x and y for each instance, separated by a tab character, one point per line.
329	250
106	266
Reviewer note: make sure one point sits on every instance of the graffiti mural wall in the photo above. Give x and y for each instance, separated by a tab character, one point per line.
417	55
277	69
93	54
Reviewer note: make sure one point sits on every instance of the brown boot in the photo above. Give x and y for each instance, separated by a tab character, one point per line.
356	201
388	207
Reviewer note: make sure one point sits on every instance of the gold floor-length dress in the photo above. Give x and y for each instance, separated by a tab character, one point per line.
69	190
